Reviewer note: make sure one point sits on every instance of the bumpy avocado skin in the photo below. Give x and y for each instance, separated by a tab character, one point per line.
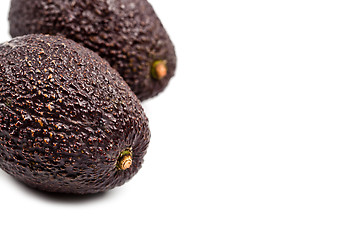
65	117
127	33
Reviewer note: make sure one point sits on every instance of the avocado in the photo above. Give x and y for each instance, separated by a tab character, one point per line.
127	33
68	122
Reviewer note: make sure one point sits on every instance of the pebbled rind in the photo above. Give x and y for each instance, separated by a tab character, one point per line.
65	116
127	33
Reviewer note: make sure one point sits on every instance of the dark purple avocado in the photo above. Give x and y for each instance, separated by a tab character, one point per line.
127	33
68	122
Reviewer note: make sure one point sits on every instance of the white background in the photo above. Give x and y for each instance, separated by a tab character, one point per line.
257	136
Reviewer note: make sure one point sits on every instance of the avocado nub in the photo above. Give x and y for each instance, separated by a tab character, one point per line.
127	33
69	123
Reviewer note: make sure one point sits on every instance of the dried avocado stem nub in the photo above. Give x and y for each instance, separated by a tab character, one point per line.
159	69
125	159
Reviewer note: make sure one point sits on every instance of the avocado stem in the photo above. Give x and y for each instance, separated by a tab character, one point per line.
126	162
159	69
125	159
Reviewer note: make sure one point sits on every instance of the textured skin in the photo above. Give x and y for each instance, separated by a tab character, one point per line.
127	33
65	116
